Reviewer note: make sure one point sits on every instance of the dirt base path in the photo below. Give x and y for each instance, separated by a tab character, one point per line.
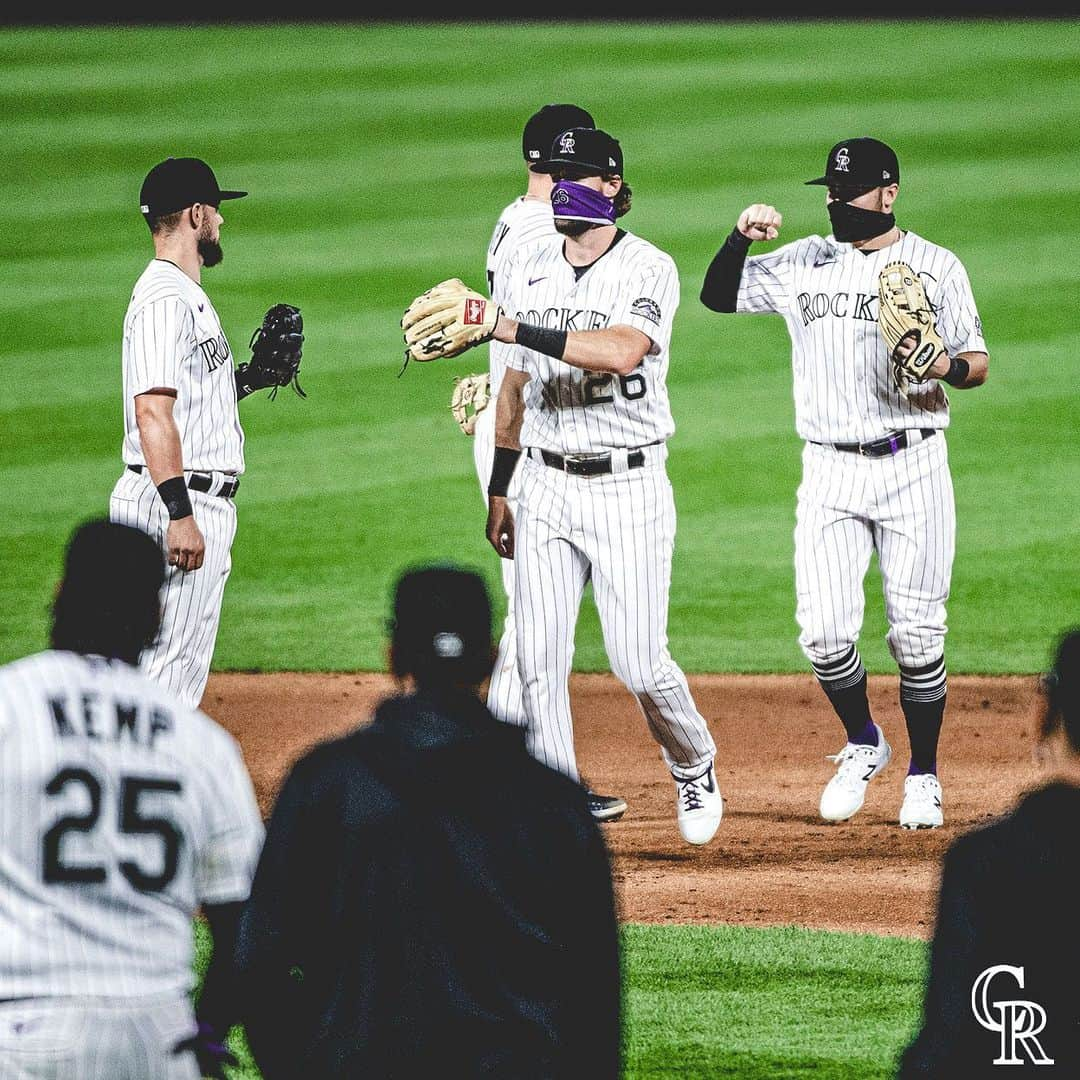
773	862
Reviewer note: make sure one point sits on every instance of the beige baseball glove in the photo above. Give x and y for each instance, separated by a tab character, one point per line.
905	315
470	398
446	320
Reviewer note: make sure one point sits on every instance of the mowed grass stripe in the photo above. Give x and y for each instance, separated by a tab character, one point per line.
735	1002
390	180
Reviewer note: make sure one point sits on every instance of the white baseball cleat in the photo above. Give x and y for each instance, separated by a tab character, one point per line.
857	765
921	808
700	807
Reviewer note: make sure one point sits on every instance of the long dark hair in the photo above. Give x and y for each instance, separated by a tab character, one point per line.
107	603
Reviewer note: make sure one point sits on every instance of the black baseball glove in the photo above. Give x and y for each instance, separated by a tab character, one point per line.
276	347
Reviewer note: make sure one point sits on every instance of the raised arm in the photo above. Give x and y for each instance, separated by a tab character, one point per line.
720	291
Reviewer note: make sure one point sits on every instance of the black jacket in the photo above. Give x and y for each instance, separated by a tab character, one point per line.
431	901
1009	895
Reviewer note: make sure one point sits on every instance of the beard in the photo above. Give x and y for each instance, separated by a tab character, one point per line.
210	251
568	227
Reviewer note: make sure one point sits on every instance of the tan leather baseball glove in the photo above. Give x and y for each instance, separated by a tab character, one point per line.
905	315
446	320
470	398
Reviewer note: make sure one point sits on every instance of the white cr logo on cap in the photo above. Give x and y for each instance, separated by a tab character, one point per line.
842	159
566	144
448	646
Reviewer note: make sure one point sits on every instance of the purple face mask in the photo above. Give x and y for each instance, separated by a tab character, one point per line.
580	203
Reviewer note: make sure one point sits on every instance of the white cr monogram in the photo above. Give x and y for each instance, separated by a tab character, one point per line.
842	159
1018	1021
566	144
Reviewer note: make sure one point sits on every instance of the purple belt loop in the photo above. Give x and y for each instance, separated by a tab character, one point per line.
894	443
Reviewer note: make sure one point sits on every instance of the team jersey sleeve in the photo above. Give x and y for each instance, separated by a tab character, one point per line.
649	301
497	259
958	320
225	861
160	337
766	283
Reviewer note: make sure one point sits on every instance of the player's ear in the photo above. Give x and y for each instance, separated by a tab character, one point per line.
888	197
611	186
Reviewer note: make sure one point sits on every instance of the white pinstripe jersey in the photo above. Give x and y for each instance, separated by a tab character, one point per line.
122	811
173	338
827	292
524	223
570	410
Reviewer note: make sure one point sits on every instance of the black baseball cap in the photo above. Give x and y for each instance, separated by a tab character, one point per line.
547	122
860	163
441	625
589	149
177	183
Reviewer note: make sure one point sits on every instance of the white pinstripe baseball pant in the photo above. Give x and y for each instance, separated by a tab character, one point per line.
504	690
190	602
900	506
618	530
95	1039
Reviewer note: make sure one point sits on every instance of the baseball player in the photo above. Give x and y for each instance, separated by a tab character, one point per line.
123	812
875	465
584	402
524	223
183	445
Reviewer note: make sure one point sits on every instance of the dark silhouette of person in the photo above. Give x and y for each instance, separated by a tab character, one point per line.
431	900
1005	960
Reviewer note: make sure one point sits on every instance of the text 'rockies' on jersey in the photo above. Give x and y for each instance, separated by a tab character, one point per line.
827	292
173	339
570	410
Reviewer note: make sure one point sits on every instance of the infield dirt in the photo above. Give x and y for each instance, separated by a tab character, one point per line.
773	862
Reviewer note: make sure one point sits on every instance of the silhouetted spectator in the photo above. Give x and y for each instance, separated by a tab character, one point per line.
431	900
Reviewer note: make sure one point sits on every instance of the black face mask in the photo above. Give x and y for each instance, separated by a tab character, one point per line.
851	223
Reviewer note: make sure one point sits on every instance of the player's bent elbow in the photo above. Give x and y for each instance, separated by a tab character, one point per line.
978	369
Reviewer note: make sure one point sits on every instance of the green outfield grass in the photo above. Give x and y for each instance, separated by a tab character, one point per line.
755	1004
372	175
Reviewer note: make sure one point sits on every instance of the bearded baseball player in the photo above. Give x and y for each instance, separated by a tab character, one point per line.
183	447
584	403
879	319
124	811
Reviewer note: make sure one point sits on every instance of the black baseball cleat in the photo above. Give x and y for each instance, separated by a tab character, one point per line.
606	807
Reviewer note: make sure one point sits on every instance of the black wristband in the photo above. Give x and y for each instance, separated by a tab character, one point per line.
502	470
736	241
542	340
958	372
174	495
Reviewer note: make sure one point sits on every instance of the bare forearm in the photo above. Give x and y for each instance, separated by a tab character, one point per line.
160	440
972	369
978	368
509	413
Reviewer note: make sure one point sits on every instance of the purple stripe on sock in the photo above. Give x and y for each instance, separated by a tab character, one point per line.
868	736
915	770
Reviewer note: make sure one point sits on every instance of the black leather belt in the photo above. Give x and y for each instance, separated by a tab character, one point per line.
202	482
589	464
883	447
